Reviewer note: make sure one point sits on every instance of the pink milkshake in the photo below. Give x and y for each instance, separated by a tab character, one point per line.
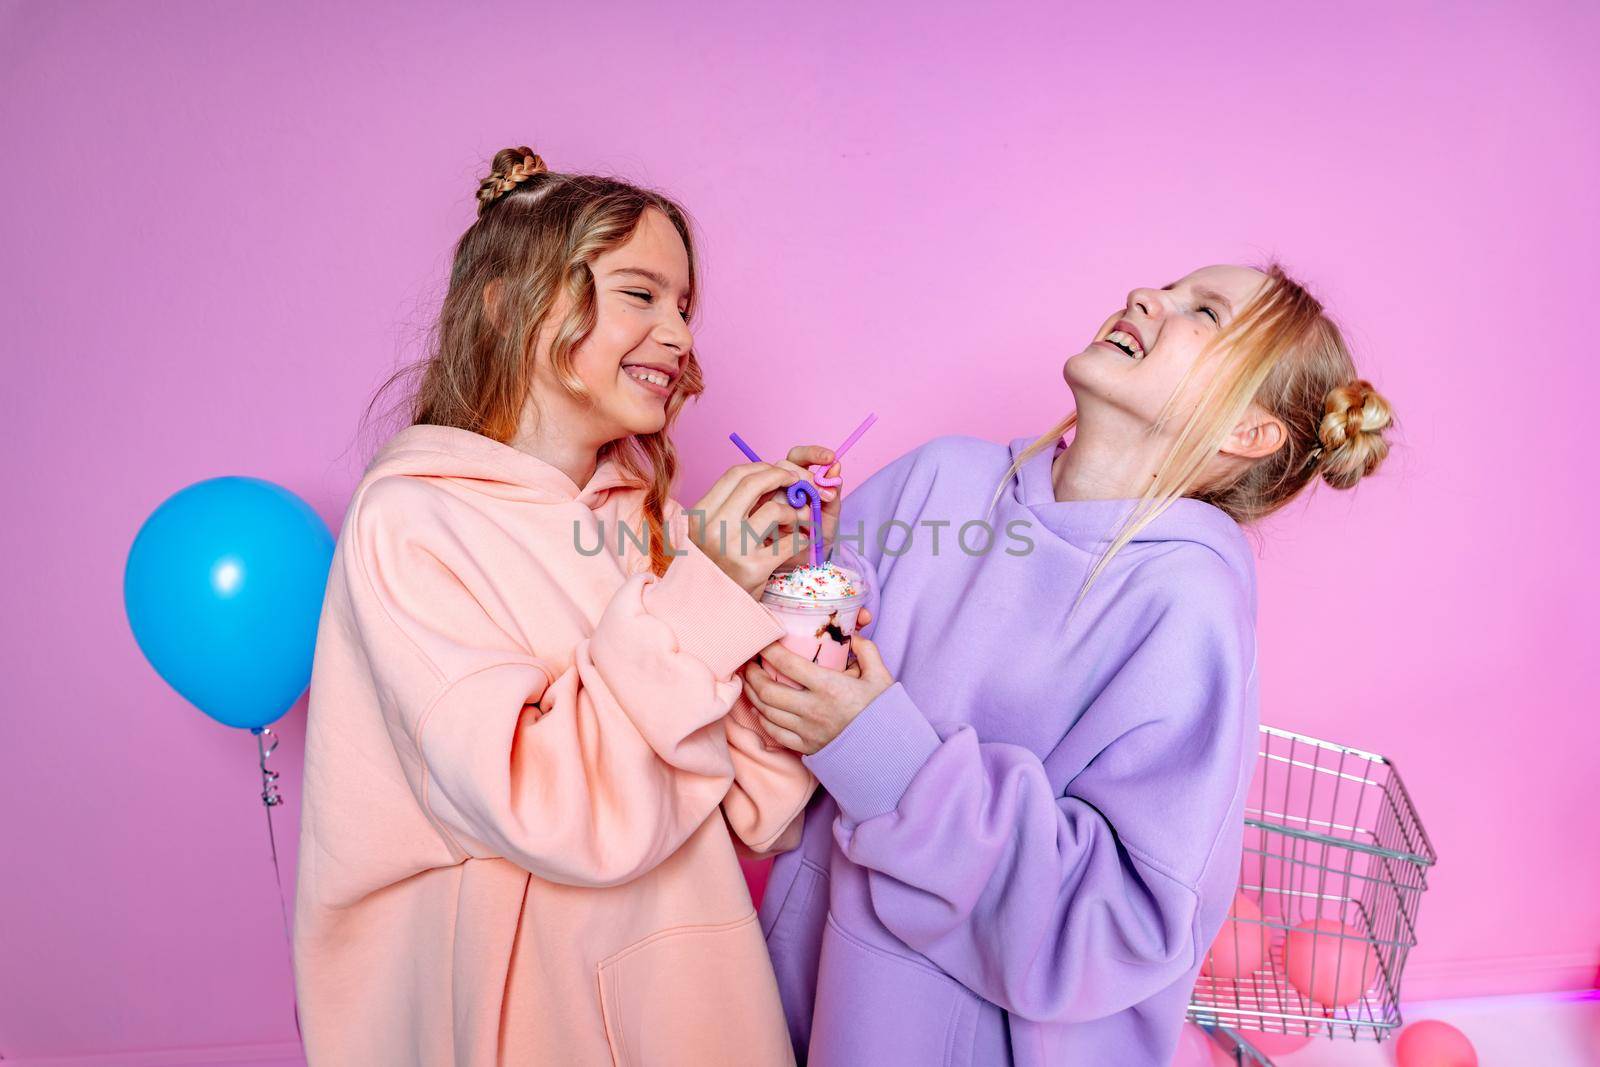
817	607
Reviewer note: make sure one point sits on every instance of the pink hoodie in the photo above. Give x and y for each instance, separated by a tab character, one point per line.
521	777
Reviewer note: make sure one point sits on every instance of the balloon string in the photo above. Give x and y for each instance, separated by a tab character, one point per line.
270	798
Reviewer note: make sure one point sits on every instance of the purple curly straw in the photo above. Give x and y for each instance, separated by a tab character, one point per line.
798	494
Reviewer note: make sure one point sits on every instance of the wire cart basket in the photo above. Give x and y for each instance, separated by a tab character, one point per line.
1335	864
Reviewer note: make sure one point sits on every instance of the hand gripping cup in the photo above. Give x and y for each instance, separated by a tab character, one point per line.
816	605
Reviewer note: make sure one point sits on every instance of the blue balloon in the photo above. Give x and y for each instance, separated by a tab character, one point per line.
223	590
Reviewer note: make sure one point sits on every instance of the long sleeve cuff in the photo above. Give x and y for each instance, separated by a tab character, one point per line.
869	766
714	619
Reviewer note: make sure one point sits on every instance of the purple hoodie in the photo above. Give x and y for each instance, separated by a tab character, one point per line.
1029	841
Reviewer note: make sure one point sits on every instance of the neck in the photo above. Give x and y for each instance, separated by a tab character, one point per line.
574	456
1110	458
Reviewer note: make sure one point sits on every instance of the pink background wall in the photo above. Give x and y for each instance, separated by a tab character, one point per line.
222	225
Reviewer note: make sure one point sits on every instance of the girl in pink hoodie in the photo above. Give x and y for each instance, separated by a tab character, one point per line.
524	789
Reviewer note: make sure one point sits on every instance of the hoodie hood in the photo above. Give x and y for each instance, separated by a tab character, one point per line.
1090	524
448	452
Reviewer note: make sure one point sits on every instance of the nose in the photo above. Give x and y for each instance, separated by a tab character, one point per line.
672	332
1147	301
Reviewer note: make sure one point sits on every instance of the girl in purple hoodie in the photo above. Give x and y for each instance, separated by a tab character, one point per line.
1035	773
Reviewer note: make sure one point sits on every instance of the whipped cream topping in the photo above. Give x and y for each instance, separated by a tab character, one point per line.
826	582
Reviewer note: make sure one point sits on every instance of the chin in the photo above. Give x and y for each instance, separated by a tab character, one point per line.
1082	369
1096	375
641	423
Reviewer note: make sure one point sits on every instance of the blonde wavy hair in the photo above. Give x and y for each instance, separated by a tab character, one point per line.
537	234
1283	353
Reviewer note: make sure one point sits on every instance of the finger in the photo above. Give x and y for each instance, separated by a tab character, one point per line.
769	693
863	617
780	545
754	699
779	717
797	668
787	738
806	455
787	546
755	485
867	654
800	473
718	493
781	496
769	709
776	513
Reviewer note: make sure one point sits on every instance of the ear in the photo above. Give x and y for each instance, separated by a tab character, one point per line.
491	302
1258	434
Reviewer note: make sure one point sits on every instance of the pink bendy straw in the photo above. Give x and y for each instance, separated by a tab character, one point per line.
820	470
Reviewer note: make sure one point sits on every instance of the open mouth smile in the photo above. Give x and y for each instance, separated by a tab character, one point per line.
653	378
1124	337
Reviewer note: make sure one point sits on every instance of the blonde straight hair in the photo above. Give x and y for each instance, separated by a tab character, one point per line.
536	235
1283	353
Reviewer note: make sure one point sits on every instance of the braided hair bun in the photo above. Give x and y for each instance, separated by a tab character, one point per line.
1352	433
511	167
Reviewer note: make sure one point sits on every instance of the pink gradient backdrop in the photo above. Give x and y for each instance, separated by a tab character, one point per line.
224	224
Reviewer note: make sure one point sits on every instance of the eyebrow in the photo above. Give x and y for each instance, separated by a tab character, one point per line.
645	273
1206	294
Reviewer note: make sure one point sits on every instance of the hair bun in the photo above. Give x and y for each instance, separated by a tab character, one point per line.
511	167
1352	433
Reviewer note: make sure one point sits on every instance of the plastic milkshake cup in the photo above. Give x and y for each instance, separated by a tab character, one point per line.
816	606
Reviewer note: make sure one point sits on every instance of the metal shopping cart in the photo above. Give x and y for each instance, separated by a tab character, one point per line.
1335	864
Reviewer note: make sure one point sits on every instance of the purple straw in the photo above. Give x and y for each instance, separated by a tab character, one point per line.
749	452
806	490
797	494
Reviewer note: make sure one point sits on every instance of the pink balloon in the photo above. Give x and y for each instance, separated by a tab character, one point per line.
1329	962
1431	1043
1274	920
1241	946
1276	1044
1196	1049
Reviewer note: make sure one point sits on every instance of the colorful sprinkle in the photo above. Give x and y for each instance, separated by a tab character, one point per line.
825	582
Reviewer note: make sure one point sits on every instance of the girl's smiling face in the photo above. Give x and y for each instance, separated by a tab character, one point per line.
1142	351
633	357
